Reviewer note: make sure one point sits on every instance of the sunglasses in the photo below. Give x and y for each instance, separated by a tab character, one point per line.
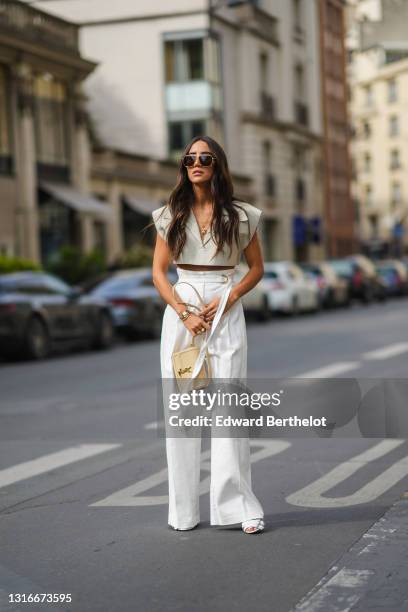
206	159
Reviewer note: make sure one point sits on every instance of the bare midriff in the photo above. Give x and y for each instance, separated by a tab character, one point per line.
203	268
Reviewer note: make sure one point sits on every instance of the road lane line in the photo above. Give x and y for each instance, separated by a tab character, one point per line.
386	352
311	496
130	496
330	370
49	462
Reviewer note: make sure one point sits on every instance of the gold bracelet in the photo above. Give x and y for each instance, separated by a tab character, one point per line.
184	315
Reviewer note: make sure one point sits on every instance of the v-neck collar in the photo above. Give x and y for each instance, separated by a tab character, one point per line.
194	228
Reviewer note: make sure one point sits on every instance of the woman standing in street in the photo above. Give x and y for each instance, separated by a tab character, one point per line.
203	229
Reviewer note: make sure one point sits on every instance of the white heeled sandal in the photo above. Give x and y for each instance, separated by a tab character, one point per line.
257	523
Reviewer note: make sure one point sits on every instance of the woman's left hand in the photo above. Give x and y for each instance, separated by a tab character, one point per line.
208	313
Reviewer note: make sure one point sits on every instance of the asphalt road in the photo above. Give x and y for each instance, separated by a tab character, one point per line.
83	480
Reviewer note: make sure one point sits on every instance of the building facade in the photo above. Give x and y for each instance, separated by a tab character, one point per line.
44	148
378	72
340	214
246	73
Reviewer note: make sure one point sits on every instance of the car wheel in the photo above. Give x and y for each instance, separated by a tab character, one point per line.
264	313
106	333
295	307
37	342
156	326
368	295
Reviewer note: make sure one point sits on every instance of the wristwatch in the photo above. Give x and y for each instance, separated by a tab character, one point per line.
184	315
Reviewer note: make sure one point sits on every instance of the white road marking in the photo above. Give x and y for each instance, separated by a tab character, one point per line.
49	462
330	370
339	594
387	351
130	496
311	496
154	425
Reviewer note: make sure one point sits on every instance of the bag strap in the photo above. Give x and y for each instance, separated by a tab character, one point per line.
192	305
187	303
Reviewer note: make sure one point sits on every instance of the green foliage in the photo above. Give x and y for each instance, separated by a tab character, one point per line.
74	267
138	256
16	264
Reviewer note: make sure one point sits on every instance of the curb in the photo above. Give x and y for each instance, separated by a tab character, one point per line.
372	575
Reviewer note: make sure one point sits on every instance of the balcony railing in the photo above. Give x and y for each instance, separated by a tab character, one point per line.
267	103
33	25
301	113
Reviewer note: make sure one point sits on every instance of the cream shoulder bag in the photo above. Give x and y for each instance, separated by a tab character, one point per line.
184	360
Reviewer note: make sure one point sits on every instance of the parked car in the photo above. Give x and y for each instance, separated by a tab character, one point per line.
39	311
137	307
288	289
364	282
255	301
333	290
395	275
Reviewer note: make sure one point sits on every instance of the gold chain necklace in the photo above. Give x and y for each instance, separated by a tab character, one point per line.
205	227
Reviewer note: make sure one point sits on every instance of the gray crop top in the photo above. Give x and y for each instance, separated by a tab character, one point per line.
198	251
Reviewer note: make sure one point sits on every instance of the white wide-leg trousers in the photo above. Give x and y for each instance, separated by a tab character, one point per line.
231	497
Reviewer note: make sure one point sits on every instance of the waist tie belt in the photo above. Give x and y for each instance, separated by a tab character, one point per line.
209	276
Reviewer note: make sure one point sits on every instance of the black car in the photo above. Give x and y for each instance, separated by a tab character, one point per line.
364	282
39	311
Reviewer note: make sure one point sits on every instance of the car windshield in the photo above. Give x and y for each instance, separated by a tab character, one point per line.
271	274
341	266
119	284
12	283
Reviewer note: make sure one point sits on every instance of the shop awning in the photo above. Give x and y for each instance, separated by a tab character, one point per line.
82	202
142	206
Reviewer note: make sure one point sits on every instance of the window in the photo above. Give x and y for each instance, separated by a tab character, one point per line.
393	126
299	161
396	193
180	132
269	179
368	196
264	71
366	129
184	59
297	14
373	220
394	159
5	148
395	56
50	116
368	95
392	90
367	162
299	83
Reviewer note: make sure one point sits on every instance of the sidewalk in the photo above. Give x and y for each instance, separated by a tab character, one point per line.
372	575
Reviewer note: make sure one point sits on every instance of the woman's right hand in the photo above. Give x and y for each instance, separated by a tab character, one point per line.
194	324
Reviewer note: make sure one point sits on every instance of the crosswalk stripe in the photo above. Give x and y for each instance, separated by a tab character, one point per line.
386	352
314	495
43	464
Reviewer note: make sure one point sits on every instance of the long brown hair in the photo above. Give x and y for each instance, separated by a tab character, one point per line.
223	229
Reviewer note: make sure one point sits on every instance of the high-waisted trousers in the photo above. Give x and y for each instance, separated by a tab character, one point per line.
231	497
